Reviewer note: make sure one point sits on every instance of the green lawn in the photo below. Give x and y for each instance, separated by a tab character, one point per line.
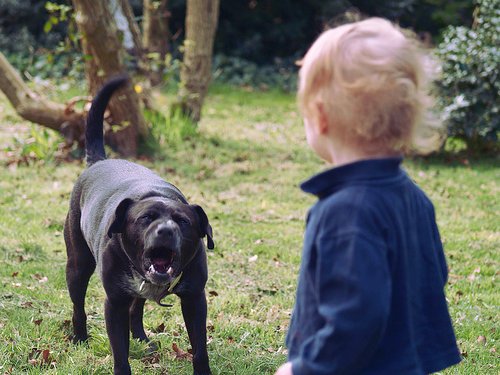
244	168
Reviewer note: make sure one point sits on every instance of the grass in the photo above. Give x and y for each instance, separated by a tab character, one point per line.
243	167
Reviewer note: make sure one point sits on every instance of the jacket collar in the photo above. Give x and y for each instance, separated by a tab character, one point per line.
327	182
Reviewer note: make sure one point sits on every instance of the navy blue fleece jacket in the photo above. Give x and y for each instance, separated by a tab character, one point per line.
370	296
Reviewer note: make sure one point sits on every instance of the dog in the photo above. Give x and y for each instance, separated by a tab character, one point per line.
145	240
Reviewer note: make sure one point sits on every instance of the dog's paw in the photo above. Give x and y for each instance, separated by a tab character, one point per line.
152	347
80	340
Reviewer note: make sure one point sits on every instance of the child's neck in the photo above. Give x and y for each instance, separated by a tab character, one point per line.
341	154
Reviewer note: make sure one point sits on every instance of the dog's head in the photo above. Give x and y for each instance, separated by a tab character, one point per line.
160	236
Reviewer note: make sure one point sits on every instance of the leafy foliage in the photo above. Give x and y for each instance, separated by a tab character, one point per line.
167	131
22	26
255	30
259	31
42	145
39	38
433	16
237	71
470	83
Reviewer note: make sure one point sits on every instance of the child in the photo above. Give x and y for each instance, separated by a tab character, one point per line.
370	296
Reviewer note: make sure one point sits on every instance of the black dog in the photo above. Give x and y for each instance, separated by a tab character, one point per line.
144	238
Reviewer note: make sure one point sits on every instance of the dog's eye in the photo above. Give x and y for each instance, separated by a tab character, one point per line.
147	218
183	221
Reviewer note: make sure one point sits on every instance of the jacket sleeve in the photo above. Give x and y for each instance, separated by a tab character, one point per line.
353	298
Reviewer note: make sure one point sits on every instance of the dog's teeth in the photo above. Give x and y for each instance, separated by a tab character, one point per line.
170	271
151	268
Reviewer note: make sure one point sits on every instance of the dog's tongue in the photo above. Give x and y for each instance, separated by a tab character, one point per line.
160	265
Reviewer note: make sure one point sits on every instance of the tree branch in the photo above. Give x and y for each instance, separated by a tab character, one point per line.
35	108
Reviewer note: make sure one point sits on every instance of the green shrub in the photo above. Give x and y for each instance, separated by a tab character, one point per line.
469	84
167	131
42	145
282	74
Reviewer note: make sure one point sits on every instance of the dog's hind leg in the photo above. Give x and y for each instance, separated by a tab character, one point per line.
79	267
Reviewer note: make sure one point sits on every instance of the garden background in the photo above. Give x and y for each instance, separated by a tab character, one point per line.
242	161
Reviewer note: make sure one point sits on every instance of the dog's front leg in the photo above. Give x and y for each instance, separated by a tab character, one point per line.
136	314
117	325
194	311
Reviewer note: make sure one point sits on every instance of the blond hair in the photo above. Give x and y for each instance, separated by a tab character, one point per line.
371	81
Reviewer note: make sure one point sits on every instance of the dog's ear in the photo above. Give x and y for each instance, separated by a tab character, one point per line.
205	227
117	222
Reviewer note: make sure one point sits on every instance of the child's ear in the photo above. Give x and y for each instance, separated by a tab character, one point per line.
321	119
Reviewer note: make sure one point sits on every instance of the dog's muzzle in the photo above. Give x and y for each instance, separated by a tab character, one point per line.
162	258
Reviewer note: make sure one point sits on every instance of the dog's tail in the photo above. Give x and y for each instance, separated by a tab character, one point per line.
94	132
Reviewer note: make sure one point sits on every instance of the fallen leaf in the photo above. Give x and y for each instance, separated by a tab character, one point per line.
45	355
160	328
152	360
481	340
253	259
180	354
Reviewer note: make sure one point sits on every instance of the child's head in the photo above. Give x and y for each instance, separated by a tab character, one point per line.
368	80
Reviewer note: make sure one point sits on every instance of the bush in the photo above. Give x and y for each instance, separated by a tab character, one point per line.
42	145
282	74
469	84
22	27
167	131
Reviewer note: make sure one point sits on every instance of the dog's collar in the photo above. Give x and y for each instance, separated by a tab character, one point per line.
169	290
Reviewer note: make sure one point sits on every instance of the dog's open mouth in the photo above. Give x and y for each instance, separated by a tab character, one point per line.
160	265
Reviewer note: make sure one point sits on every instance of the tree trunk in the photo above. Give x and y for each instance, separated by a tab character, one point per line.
156	37
101	42
201	24
35	108
138	51
133	26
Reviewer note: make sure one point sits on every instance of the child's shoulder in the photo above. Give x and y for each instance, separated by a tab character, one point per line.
354	206
371	205
356	197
